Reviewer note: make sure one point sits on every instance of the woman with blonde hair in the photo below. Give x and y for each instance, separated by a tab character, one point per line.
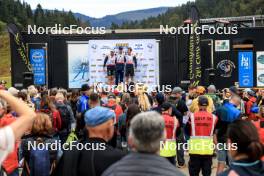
143	100
37	158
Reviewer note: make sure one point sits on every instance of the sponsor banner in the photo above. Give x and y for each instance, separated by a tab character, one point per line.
222	45
245	69
19	45
225	68
145	51
194	50
38	61
260	68
78	64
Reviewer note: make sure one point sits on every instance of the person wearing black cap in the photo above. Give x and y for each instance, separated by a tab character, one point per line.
120	66
171	125
201	139
96	155
82	104
160	98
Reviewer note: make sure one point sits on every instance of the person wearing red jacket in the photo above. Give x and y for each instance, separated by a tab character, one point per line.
10	164
251	100
56	118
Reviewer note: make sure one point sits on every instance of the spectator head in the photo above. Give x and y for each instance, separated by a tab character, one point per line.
132	111
42	125
3	107
200	90
235	99
146	132
129	50
203	102
32	91
53	91
13	91
111	98
211	89
100	122
59	97
22	95
160	98
166	108
94	100
126	99
120	49
251	93
85	89
63	91
245	136
177	92
233	90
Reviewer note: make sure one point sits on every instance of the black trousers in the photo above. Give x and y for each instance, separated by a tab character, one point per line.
198	163
119	76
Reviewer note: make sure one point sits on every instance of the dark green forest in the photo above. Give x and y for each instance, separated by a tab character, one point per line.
207	8
21	14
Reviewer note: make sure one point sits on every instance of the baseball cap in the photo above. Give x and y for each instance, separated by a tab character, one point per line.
233	90
177	90
160	98
97	116
203	101
165	106
111	96
85	87
200	90
251	93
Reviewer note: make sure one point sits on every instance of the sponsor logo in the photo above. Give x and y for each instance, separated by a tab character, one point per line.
151	70
138	46
151	59
37	56
93	65
150	45
144	76
261	78
94	46
151	76
260	59
105	47
99	59
143	59
94	71
226	68
100	71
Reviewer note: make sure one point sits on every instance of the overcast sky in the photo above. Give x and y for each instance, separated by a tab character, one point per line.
100	8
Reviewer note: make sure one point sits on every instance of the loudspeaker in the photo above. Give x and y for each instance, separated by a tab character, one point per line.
28	79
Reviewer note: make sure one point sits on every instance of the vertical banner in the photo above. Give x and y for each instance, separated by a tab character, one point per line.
245	69
20	45
38	62
78	64
195	72
145	51
260	68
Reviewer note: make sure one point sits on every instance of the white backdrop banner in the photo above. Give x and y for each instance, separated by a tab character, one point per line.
78	64
260	68
145	50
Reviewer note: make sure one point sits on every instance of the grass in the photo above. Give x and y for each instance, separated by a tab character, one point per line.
5	58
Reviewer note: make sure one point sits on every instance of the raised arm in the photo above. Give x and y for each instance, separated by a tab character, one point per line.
26	115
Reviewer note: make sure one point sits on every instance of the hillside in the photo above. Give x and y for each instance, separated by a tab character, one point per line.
207	8
122	17
5	58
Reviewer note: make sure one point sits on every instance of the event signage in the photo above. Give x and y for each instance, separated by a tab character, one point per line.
38	62
260	68
78	64
222	45
245	69
145	51
19	45
195	71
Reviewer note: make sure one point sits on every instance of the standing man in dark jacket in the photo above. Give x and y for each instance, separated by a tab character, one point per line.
96	155
145	137
176	100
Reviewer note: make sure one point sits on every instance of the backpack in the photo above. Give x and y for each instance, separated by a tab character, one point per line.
65	116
